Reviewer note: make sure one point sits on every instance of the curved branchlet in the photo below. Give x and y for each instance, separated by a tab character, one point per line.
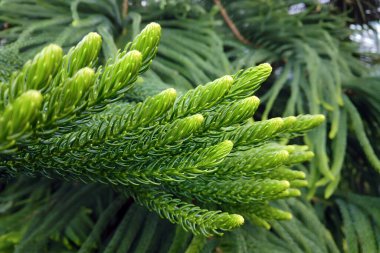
231	114
84	54
252	134
302	123
244	136
254	161
257	161
116	79
246	82
191	217
262	214
202	97
146	43
179	129
232	191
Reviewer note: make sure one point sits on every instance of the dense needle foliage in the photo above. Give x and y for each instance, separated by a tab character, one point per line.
123	121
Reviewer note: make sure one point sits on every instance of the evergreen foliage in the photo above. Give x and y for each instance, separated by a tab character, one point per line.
55	123
310	89
176	134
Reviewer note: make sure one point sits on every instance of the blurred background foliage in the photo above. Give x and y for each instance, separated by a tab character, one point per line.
326	57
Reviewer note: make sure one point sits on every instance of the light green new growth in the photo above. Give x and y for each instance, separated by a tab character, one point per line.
197	160
18	119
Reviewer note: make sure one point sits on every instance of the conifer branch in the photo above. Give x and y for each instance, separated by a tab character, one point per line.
60	120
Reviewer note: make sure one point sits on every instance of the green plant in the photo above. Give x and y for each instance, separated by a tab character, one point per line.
44	215
317	65
163	151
